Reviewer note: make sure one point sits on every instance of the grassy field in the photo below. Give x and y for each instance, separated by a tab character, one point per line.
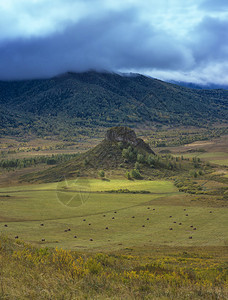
96	185
219	158
60	208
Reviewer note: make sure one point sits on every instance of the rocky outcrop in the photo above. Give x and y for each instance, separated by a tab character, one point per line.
126	136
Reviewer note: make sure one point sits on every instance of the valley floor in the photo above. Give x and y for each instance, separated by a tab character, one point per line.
117	238
114	214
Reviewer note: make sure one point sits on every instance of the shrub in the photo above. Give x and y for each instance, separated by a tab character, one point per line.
137	166
101	173
135	174
140	158
129	153
193	173
151	160
128	175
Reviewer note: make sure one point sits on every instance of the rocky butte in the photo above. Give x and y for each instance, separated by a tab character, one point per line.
126	136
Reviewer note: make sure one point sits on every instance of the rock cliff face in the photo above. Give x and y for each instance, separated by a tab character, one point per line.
121	134
126	136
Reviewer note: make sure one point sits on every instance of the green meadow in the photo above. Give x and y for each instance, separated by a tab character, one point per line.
219	158
114	220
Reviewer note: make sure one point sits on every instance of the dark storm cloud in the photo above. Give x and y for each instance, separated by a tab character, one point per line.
210	42
112	42
38	39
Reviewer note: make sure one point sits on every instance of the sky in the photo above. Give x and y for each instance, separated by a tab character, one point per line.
166	39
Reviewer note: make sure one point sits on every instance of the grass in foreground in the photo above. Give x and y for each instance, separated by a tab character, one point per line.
36	273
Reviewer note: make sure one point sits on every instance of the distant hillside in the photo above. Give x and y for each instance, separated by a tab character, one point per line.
76	102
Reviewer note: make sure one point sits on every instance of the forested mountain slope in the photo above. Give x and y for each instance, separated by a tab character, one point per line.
63	104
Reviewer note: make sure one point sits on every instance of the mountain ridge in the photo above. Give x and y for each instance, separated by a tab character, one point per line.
62	104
